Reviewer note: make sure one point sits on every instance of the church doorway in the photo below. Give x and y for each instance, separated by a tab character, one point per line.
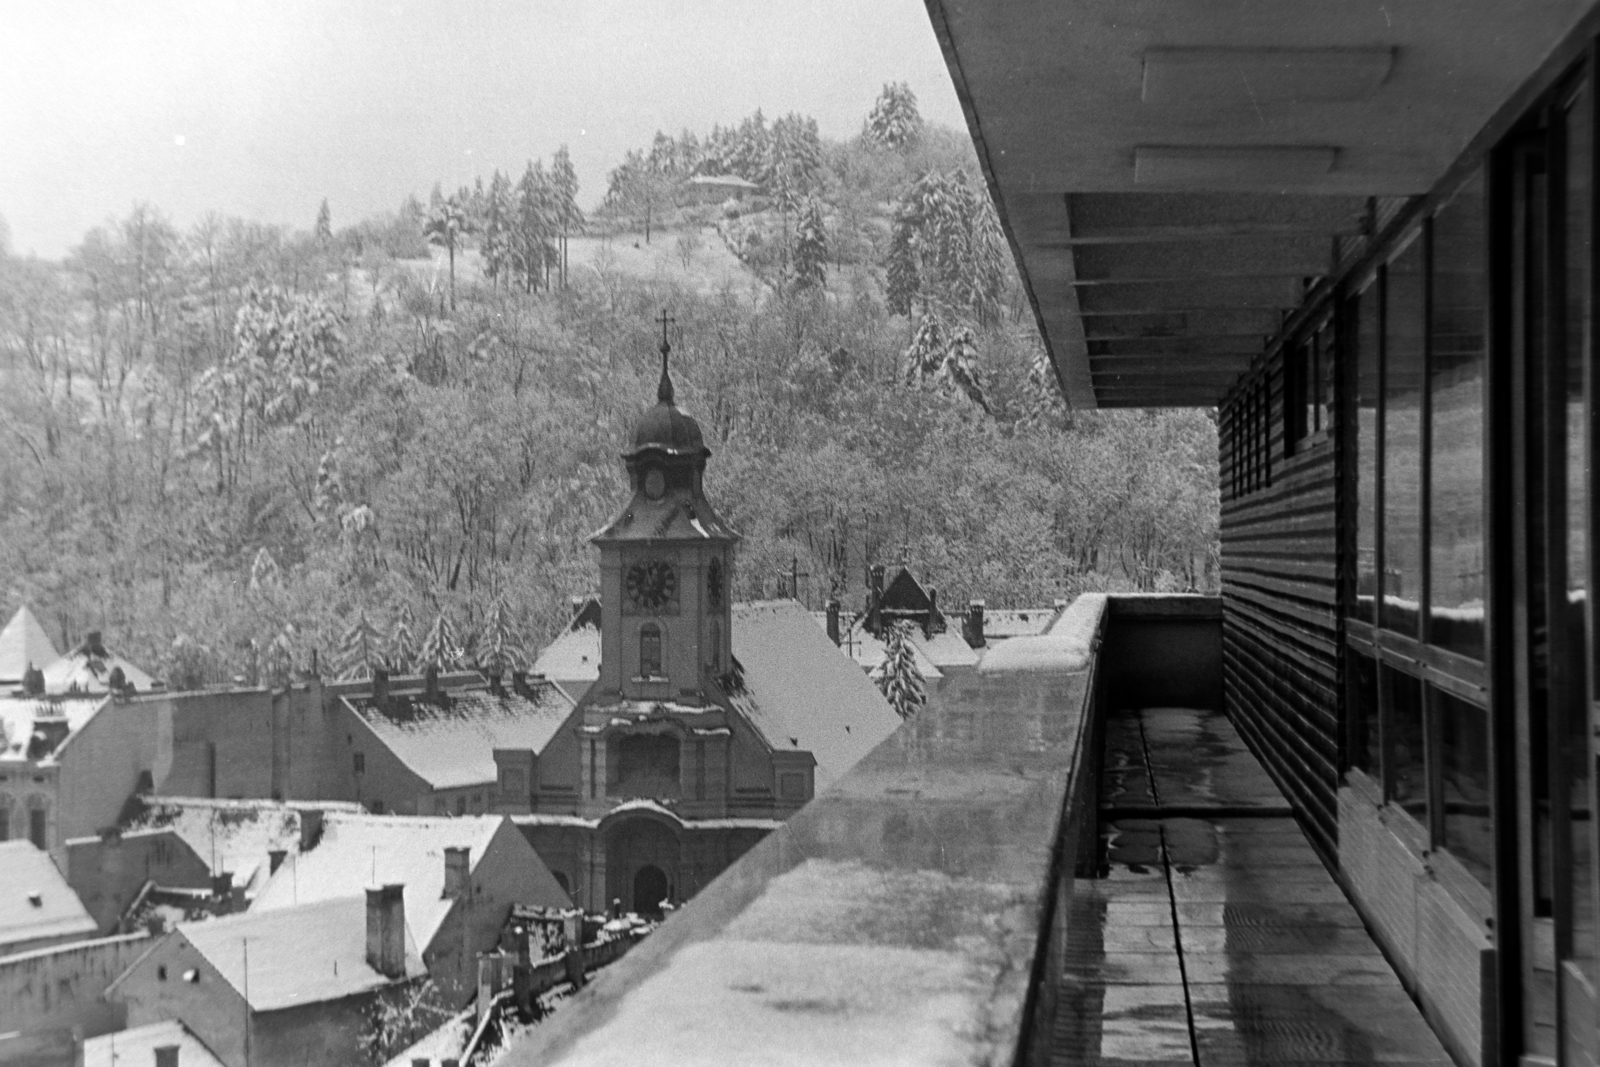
650	888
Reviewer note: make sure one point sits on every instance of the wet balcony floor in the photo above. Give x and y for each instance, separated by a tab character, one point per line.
1216	937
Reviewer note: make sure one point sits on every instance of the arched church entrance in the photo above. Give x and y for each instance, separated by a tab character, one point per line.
650	888
643	862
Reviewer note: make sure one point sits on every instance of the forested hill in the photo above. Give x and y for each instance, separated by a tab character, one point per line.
233	446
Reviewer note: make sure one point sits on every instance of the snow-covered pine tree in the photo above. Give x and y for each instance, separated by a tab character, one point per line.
360	649
440	649
810	248
264	572
894	121
900	268
499	648
401	655
897	676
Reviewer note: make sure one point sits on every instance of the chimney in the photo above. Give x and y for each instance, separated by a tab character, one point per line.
386	930
380	689
167	1055
93	645
222	885
933	610
577	605
430	684
455	872
519	683
974	627
310	828
275	859
833	621
497	683
874	598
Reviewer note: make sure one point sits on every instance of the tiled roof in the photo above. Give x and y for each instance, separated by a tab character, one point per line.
28	875
360	850
302	955
802	693
454	746
57	719
234	835
136	1047
23	642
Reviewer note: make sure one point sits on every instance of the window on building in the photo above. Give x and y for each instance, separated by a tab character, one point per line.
1368	385
1252	439
1464	765
649	651
1403	357
646	765
1308	367
461	804
1408	773
38	826
1366	737
1457	365
359	761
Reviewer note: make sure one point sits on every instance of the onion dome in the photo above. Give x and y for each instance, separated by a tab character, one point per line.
666	426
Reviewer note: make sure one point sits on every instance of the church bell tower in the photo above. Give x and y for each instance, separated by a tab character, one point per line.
666	564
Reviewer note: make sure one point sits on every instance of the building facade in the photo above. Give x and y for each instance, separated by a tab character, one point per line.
1367	237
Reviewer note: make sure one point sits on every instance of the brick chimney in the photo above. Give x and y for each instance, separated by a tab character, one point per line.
974	624
875	598
456	872
380	689
222	885
386	930
833	621
310	828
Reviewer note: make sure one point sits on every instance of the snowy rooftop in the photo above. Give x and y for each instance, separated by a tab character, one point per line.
56	719
81	671
801	693
35	900
454	746
303	955
572	657
867	651
234	835
1017	622
360	850
23	643
947	650
136	1047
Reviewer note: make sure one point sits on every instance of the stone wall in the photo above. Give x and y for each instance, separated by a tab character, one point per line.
47	994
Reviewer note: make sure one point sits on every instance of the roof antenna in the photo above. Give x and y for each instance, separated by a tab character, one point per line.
664	390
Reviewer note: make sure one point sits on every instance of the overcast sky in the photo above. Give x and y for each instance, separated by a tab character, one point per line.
263	108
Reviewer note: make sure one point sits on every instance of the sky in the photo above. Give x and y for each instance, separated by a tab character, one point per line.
261	108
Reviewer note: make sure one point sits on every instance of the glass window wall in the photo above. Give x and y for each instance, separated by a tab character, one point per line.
1403	356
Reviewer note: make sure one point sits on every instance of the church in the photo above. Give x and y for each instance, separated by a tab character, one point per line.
709	723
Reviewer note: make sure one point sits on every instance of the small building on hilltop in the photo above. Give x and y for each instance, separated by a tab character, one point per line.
38	908
705	724
289	987
24	646
461	878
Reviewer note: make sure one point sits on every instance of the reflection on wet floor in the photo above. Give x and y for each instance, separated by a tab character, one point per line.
1216	937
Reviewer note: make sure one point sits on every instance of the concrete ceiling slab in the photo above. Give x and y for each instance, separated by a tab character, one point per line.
1106	125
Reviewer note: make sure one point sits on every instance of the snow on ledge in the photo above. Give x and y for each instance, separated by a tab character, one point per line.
1065	648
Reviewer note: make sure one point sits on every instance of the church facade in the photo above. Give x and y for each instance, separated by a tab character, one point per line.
681	755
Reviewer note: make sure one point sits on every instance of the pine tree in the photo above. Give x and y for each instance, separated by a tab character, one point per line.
897	676
446	225
402	650
564	181
900	268
497	229
499	649
264	572
894	121
323	231
440	648
810	248
533	226
360	648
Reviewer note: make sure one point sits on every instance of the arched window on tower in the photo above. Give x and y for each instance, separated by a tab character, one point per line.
649	651
716	646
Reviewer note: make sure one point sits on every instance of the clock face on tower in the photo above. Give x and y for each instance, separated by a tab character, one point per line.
651	587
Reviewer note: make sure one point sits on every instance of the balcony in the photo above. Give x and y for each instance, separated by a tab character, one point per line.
1069	856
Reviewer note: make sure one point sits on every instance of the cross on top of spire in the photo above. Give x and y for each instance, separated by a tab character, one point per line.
664	390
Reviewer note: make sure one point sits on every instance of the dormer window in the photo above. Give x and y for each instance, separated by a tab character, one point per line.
649	651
